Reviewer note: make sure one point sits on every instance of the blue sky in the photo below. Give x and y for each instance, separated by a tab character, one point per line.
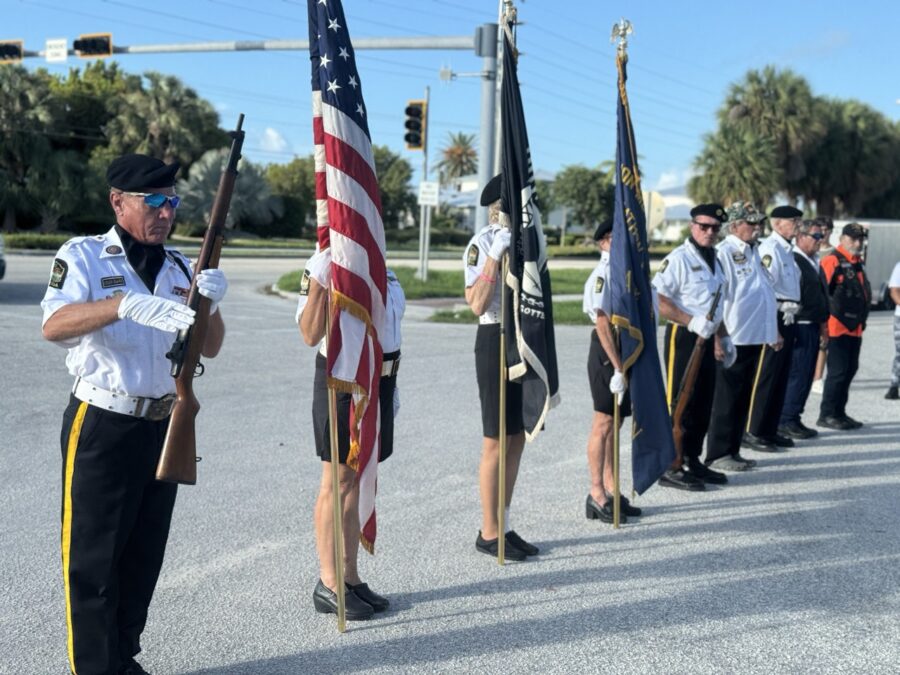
682	58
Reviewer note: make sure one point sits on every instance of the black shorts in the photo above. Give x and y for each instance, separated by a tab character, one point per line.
487	372
320	415
600	372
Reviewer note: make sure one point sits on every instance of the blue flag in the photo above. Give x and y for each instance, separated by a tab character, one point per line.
652	446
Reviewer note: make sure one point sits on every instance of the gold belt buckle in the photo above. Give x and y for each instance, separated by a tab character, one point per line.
159	408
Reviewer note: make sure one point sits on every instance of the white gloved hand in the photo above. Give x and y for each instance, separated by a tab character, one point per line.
160	313
500	244
789	309
212	284
617	384
730	351
702	327
396	400
319	267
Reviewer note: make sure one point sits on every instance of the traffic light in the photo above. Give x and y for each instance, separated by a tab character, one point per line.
93	45
416	121
11	51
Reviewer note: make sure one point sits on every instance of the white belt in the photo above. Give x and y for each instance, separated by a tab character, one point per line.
390	368
136	406
490	316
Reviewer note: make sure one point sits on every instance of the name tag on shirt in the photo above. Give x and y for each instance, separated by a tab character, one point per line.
112	282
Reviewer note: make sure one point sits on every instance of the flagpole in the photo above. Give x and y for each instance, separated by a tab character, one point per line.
616	489
501	465
336	502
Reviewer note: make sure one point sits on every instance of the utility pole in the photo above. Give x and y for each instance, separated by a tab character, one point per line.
424	210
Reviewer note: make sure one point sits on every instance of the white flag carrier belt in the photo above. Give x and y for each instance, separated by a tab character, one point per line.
137	406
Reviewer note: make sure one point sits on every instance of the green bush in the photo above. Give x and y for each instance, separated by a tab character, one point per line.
188	229
35	240
400	237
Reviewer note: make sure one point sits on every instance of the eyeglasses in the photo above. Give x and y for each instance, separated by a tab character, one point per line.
814	235
156	200
707	226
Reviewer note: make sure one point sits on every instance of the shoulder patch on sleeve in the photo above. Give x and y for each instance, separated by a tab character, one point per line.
665	264
767	261
598	284
472	255
304	283
58	273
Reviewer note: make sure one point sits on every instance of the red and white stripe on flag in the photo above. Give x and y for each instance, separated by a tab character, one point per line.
348	218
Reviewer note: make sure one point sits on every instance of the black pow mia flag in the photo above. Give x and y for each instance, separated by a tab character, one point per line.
528	323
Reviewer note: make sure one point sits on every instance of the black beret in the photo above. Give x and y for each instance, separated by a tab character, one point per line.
491	192
712	210
854	231
786	212
137	172
603	228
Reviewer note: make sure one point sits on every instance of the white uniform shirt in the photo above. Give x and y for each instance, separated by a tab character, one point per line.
749	299
597	293
395	308
686	280
777	257
474	259
895	283
123	357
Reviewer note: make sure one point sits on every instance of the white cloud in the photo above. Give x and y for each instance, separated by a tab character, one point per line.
273	141
673	178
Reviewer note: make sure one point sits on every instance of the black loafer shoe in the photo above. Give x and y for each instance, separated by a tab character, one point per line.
367	595
489	546
854	424
514	540
699	470
749	462
593	511
796	430
837	423
811	433
681	480
782	441
626	507
355	609
756	443
892	394
133	668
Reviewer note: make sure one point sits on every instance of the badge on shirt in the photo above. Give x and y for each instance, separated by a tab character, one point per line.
111	282
58	273
738	257
113	250
472	256
181	292
696	269
665	264
767	261
598	285
304	283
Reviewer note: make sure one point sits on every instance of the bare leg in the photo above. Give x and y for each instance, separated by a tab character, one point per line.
599	452
487	478
820	365
324	525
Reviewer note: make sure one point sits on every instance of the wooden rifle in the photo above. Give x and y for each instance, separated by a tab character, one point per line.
688	381
178	460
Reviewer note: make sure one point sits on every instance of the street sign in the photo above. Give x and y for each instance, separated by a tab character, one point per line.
56	50
428	192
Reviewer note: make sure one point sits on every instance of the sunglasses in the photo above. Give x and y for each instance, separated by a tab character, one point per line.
156	199
817	237
707	226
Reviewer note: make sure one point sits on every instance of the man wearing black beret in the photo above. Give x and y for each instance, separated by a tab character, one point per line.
687	282
115	301
770	384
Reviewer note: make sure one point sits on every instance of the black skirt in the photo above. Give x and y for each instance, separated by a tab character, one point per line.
487	372
600	371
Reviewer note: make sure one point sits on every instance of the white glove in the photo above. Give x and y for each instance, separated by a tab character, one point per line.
617	384
702	327
396	400
730	351
789	309
500	244
212	284
160	313
319	267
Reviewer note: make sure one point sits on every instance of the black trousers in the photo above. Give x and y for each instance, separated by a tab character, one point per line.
803	368
679	344
843	362
732	403
771	385
115	523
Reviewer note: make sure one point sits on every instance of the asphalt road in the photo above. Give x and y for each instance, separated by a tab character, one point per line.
794	567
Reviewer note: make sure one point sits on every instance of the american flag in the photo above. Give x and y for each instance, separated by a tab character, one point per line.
348	213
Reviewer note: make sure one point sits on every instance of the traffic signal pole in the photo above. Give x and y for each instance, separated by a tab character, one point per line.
424	211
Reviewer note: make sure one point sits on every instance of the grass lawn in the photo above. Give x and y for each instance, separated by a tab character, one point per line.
566	312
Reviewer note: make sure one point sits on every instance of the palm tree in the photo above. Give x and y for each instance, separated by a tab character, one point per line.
736	164
458	157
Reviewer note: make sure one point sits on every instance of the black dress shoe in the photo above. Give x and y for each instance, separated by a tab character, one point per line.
757	443
626	507
749	462
797	430
698	469
355	609
593	511
854	424
892	394
133	668
514	540
782	441
834	423
811	432
681	480
489	546
363	592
